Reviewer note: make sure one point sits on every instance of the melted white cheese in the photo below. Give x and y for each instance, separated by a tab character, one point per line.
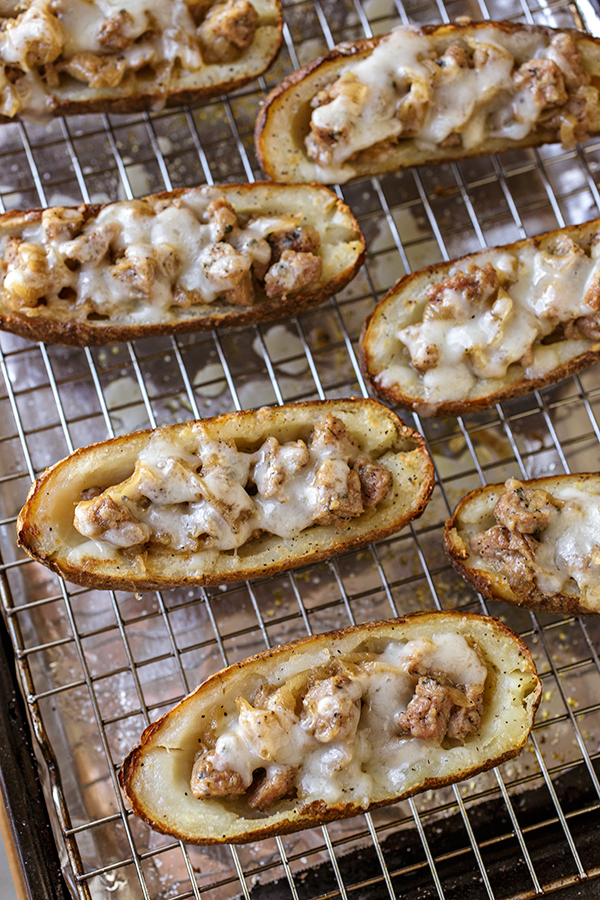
161	33
476	103
335	771
570	546
189	512
175	242
483	342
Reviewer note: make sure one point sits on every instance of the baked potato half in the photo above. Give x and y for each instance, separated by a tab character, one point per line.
185	260
463	335
427	95
77	56
242	495
532	543
334	725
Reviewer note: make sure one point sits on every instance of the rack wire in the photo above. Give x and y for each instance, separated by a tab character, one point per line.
96	667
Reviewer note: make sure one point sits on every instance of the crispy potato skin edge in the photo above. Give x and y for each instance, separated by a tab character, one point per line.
28	533
267	153
518	388
495	586
142	102
83	334
318	812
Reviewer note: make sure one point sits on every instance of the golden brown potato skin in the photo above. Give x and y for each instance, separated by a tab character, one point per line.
45	524
513	701
475	513
135	95
403	305
320	206
283	121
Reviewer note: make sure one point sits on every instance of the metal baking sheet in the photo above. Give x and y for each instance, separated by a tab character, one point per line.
96	667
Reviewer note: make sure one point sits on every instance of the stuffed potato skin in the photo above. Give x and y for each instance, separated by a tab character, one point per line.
469	528
156	779
80	90
46	531
388	366
283	124
73	322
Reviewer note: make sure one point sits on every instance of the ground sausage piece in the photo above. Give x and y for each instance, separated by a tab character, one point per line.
338	493
243	293
228	28
224	266
425	358
322	141
91	493
137	269
514	552
478	286
277	464
589	327
375	480
222	217
331	709
207	782
544	81
456	55
36	36
110	521
97	71
61	224
519	565
273	786
27	278
523	509
331	438
303	239
434	713
490	54
92	246
412	109
571	61
491	543
465	720
292	272
427	715
110	34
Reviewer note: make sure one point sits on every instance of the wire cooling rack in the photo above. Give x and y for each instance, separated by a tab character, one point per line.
96	667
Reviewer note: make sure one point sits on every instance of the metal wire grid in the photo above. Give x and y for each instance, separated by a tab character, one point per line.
97	666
